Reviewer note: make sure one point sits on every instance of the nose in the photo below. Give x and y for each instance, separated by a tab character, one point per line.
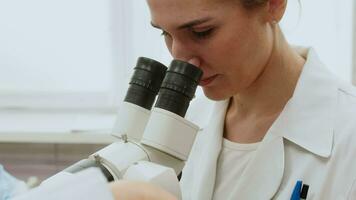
181	51
184	52
194	61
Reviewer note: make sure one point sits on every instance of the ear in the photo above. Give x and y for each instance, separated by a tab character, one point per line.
276	9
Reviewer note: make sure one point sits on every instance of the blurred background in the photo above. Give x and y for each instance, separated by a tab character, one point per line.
65	66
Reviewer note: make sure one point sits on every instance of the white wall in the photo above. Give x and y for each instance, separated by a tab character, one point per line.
325	25
148	40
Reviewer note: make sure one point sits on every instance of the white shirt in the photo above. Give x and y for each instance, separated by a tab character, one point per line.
232	161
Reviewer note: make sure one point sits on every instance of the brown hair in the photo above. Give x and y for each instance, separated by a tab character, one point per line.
253	3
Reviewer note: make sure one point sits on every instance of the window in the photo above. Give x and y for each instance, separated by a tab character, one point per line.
54	53
65	65
72	53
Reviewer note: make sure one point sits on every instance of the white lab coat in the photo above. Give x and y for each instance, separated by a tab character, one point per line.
313	140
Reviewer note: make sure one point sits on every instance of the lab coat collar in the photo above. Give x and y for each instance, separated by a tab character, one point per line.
307	119
207	162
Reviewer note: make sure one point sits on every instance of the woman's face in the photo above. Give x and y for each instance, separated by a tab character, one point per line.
232	44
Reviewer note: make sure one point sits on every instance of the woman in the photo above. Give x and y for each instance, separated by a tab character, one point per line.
281	117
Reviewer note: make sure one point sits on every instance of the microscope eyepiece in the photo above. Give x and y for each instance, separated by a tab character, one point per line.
145	82
178	87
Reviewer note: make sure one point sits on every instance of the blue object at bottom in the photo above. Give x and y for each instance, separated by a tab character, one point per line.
8	184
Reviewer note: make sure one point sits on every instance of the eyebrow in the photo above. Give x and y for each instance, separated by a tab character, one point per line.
188	24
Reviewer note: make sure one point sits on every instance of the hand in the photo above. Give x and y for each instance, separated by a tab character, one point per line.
135	190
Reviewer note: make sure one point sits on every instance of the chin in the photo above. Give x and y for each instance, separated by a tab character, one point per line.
215	95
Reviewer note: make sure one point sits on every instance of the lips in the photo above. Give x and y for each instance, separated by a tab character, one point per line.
206	81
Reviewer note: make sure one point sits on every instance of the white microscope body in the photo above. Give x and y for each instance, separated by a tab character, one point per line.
152	145
158	157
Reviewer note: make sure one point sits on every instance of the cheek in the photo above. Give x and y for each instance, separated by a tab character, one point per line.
226	55
234	47
238	52
226	47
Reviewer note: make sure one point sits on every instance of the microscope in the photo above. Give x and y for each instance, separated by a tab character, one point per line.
152	143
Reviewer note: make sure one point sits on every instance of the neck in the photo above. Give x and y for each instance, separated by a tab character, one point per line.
252	111
269	93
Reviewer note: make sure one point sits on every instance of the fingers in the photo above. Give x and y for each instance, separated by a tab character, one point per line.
135	190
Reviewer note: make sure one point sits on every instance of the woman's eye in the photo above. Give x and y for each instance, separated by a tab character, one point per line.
202	34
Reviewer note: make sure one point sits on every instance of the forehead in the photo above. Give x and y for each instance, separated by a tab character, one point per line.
174	12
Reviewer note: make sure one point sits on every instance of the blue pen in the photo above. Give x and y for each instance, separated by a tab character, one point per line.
296	191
